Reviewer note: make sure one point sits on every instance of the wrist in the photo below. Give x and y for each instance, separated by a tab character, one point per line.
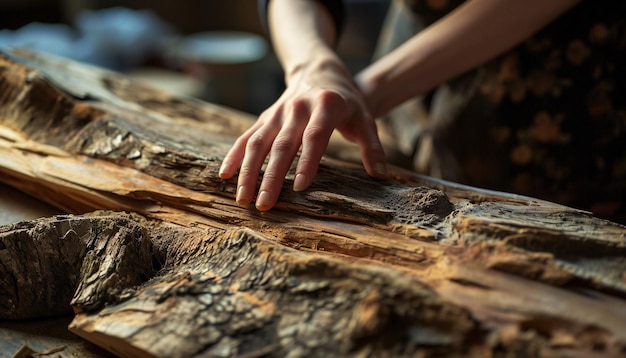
370	84
321	63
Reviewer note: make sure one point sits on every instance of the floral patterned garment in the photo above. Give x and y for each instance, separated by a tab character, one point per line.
546	119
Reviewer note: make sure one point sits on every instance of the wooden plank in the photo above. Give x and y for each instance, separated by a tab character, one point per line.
351	266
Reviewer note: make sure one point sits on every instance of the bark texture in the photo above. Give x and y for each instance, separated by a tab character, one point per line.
155	258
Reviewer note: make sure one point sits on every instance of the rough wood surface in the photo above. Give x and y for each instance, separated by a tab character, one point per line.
351	266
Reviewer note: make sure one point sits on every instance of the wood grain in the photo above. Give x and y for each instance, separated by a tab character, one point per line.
156	259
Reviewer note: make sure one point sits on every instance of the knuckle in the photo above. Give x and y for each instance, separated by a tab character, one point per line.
284	144
314	134
245	171
299	110
375	146
255	143
299	104
306	162
267	113
271	176
329	98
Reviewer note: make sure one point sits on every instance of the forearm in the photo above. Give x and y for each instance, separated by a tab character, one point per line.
320	97
474	33
303	34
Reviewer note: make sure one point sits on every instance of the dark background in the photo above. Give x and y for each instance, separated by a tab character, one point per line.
250	87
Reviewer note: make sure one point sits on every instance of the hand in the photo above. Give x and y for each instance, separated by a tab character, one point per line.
315	102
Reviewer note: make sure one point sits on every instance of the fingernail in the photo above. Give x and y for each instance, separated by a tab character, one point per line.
263	200
222	170
381	169
243	197
300	182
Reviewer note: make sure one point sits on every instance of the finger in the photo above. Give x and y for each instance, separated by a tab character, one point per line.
316	137
282	153
371	150
233	158
256	150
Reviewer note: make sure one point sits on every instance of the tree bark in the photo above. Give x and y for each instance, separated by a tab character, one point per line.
156	259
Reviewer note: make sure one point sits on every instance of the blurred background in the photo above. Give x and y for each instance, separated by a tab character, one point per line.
213	50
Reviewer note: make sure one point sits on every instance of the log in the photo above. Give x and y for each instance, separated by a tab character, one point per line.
154	258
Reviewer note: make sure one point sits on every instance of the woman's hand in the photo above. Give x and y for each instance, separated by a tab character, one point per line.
318	99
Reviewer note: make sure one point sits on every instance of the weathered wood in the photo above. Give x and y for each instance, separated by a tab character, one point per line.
351	266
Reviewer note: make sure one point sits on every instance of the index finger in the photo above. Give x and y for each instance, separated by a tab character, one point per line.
316	137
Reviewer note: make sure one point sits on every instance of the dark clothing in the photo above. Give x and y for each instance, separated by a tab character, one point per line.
546	119
336	9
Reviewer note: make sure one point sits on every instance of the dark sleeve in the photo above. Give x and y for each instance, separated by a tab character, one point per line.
336	8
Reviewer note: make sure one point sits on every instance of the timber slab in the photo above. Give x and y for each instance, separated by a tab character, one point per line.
153	258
